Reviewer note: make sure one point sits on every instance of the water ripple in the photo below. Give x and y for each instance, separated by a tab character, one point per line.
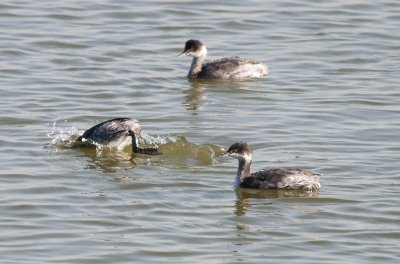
330	104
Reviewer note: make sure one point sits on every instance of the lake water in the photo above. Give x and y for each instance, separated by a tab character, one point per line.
331	104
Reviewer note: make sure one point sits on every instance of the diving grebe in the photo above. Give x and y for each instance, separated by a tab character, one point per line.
224	68
270	178
117	133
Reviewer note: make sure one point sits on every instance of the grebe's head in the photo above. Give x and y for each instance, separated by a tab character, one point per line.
131	124
194	48
240	151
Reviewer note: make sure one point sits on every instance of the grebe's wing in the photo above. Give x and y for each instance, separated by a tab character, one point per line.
106	131
282	178
224	67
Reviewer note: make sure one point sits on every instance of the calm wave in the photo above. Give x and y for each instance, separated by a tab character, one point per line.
330	104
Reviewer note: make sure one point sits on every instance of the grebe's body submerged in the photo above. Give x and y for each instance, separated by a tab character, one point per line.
117	133
270	178
224	68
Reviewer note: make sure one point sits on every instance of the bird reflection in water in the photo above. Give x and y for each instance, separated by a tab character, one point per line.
244	197
194	96
111	161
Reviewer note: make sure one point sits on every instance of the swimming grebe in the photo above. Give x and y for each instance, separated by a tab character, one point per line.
224	68
270	178
117	133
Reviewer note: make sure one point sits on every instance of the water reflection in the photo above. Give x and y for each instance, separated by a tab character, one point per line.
194	95
183	152
109	161
179	152
245	196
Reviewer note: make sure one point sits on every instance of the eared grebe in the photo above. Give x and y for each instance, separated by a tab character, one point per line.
117	133
224	68
270	178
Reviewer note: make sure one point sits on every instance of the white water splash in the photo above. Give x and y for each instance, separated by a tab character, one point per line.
157	140
63	135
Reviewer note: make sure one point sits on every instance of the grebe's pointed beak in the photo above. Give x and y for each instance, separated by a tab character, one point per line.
181	54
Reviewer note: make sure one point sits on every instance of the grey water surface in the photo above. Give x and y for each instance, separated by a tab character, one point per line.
331	104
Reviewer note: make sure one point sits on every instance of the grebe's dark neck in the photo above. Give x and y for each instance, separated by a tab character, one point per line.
195	68
137	149
242	172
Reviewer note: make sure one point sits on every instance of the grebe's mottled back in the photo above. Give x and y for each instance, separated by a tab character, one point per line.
271	178
117	133
224	68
